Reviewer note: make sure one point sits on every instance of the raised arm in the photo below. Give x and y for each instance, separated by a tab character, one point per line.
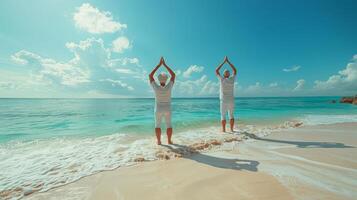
232	66
172	73
220	66
151	75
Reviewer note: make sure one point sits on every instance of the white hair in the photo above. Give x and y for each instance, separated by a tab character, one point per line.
162	77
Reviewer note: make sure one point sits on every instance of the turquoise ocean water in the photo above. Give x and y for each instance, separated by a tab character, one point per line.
45	143
28	119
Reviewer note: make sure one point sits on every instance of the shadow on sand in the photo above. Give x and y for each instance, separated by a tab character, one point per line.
225	163
301	144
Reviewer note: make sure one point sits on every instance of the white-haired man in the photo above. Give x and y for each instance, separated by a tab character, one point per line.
226	94
162	100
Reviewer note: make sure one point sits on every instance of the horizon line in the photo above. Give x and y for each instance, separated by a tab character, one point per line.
172	97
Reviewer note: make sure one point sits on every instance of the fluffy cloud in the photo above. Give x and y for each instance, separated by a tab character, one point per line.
345	81
275	84
210	88
118	83
292	69
128	68
91	66
51	70
186	85
299	85
197	87
254	88
93	20
120	44
192	69
8	85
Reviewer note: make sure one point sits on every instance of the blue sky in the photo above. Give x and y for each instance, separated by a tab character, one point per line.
107	48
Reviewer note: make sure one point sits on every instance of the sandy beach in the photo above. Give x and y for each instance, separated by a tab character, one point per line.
310	162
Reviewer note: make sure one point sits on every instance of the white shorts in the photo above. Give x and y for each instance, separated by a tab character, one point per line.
227	107
159	116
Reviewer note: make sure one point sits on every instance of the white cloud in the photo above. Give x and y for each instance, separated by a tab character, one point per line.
93	20
178	72
275	84
192	69
343	82
120	44
91	67
84	44
126	61
198	87
118	83
8	85
254	88
128	66
292	69
24	57
299	85
51	70
209	88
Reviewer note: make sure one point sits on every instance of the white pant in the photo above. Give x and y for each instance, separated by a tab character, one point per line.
160	115
227	107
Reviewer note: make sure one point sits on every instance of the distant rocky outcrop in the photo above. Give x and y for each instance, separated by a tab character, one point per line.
351	100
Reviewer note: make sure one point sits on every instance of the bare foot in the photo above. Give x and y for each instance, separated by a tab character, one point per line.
170	142
158	142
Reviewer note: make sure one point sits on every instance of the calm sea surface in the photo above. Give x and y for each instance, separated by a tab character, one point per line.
27	119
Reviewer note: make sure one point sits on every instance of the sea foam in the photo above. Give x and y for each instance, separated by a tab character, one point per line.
327	119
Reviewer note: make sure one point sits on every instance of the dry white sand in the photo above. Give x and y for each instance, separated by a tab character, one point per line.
312	162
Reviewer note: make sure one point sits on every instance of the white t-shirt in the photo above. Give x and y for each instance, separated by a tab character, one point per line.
162	96
226	94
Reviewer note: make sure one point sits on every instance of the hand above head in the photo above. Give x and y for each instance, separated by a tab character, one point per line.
220	66
232	66
151	75
225	59
172	73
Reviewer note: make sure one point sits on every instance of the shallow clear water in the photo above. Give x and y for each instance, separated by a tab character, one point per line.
45	143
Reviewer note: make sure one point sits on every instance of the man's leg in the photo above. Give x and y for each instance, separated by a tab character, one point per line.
169	127
223	125
169	135
231	117
158	117
231	121
223	116
158	135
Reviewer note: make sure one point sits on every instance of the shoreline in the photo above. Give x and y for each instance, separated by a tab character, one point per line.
108	155
235	149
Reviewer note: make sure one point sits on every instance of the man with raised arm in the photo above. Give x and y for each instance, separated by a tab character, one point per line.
226	94
162	100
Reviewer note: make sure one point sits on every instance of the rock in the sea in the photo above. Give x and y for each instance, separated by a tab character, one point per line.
352	100
355	100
